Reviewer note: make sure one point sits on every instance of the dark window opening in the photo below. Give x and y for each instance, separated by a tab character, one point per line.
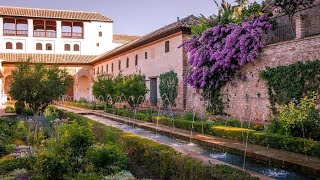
19	45
100	34
127	62
146	55
76	47
49	47
119	64
9	45
136	60
67	47
167	46
38	46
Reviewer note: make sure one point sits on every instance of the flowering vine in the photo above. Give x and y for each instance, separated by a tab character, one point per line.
219	53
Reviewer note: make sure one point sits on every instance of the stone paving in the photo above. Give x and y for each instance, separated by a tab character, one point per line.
298	162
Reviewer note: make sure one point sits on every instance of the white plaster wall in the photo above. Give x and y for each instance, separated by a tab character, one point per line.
87	45
158	62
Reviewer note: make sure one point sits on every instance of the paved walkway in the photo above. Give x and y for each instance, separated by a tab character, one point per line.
295	161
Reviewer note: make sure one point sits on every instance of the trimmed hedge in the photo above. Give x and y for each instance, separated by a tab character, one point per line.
277	141
163	161
85	105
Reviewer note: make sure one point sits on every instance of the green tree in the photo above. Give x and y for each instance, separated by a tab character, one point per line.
38	85
134	88
168	88
105	87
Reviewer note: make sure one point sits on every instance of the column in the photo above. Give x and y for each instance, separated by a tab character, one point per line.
299	28
30	27
58	29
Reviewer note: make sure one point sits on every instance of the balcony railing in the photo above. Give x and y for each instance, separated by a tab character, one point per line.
42	33
73	35
10	32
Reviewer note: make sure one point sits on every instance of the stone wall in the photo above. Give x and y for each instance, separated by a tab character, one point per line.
248	99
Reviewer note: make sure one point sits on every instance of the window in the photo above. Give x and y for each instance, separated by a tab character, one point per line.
112	67
94	71
167	46
107	68
67	47
146	55
76	47
100	34
136	60
49	47
98	71
19	45
98	44
119	65
9	45
72	30
127	62
102	69
38	46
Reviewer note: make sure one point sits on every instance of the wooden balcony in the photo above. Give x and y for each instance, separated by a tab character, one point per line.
72	35
42	33
10	32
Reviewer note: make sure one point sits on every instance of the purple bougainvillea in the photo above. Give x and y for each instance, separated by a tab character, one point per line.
219	53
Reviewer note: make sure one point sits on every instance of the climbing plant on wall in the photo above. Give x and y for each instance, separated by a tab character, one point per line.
219	53
292	82
168	88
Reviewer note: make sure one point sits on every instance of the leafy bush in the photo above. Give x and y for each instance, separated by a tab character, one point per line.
9	109
19	106
107	157
9	165
301	120
168	88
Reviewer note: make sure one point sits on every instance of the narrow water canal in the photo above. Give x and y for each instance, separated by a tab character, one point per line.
190	148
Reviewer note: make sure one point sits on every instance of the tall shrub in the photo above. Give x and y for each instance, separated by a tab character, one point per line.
104	88
168	88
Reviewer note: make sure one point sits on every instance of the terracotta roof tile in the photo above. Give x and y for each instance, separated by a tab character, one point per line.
50	13
124	38
162	32
46	58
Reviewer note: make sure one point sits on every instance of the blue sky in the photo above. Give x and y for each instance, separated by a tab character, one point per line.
130	16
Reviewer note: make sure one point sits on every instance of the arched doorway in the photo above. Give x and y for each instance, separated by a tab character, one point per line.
84	87
7	86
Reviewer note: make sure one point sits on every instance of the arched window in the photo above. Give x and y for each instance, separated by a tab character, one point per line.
19	45
119	65
76	47
38	46
136	61
9	45
67	47
107	68
49	47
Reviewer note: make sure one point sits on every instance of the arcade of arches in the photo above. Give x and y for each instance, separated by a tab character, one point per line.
80	89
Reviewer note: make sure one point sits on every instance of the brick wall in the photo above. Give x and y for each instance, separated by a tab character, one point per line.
248	99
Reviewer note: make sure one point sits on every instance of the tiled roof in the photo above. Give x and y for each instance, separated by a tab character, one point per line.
55	14
124	38
160	33
46	58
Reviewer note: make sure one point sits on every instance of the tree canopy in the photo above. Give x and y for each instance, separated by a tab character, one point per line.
38	85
